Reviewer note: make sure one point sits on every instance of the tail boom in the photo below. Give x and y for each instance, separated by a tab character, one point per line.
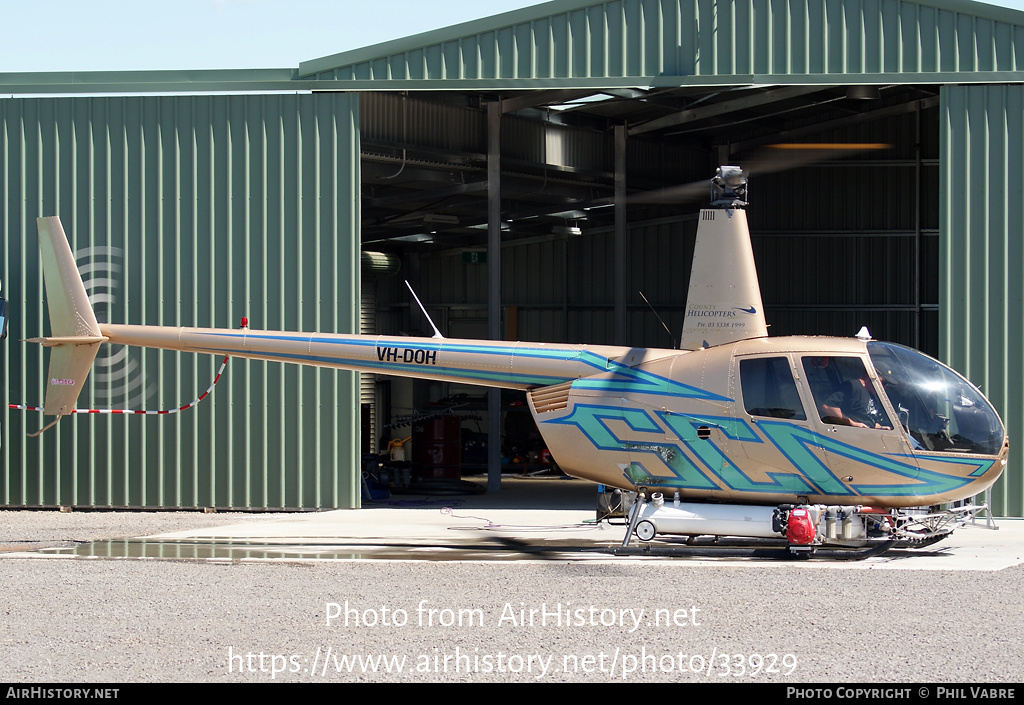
76	336
488	363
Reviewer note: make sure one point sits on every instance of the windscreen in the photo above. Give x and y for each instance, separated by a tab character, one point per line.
938	409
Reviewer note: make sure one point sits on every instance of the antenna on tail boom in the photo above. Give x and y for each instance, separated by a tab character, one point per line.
437	333
671	337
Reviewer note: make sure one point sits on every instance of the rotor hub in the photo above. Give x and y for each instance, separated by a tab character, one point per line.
729	188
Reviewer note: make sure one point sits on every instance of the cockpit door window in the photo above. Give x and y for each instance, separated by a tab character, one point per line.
844	393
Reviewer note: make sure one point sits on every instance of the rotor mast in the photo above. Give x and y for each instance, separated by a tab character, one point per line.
723	304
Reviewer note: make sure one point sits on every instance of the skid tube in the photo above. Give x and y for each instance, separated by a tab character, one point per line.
786	532
756	548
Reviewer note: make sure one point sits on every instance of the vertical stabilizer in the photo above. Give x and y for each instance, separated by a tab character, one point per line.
74	332
70	311
723	304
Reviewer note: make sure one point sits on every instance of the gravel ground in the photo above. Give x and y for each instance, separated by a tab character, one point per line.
122	620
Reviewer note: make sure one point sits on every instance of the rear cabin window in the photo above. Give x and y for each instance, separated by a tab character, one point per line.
769	390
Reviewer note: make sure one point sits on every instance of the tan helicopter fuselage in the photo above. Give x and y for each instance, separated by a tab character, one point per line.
711	442
667	420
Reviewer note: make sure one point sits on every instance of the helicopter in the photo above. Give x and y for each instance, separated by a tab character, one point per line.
848	444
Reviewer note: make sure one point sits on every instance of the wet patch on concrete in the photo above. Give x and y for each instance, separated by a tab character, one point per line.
489	549
232	550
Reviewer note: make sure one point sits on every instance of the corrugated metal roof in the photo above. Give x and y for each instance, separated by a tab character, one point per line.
636	44
681	42
172	81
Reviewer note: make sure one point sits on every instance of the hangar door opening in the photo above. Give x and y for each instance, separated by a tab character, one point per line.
843	236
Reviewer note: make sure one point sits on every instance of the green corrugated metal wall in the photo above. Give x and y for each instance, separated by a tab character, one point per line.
982	256
660	39
193	210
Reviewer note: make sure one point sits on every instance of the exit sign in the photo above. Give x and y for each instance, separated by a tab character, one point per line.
478	257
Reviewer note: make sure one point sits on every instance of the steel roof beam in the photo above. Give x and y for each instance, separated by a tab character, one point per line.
727	106
536	98
426	194
820	127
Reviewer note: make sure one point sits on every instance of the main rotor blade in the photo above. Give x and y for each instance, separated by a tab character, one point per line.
767	160
684	193
774	158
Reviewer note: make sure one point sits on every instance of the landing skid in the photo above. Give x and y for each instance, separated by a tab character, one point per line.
920	530
751	548
829	532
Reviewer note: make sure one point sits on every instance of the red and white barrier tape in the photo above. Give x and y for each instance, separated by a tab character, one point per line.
224	364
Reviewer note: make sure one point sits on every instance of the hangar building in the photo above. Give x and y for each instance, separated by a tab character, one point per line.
499	164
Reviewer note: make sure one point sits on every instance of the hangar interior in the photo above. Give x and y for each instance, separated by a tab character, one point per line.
845	233
832	213
531	175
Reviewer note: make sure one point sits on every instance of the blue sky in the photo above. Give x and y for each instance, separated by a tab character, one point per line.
134	35
121	35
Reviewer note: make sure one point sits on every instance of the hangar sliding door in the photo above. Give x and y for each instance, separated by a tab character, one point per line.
982	256
190	211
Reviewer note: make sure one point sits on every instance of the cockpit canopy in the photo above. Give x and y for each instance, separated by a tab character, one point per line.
939	409
936	408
